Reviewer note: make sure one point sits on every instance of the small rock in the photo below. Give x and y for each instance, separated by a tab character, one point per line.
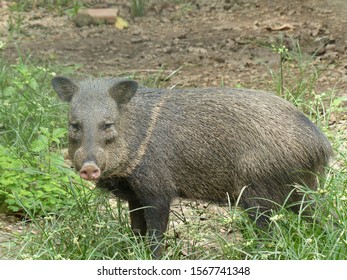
164	20
168	50
198	51
4	4
95	16
136	40
227	7
223	27
219	59
136	32
183	35
85	33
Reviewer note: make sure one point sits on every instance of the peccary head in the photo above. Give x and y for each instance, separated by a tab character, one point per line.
94	122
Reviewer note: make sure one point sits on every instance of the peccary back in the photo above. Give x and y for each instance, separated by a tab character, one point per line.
150	146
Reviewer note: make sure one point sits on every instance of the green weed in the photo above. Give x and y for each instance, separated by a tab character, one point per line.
15	22
32	135
158	78
138	7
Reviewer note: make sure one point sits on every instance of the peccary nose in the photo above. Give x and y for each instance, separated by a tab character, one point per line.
90	171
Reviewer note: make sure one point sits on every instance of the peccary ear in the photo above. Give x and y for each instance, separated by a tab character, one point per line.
123	91
64	87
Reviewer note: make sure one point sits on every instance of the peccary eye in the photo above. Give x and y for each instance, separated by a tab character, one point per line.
108	125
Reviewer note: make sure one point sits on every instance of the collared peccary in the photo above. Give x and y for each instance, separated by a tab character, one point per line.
149	146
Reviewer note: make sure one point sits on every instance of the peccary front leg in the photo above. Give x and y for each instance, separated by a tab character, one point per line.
150	220
157	218
137	217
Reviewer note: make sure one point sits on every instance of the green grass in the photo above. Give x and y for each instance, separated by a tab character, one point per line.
138	7
66	220
94	228
91	229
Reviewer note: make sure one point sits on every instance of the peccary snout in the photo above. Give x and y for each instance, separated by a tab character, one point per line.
90	171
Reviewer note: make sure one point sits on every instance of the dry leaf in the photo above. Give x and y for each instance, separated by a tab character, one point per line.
121	23
281	28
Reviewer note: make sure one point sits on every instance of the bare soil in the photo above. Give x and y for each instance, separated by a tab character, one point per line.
209	42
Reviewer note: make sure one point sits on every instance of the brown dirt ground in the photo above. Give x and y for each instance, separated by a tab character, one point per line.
210	42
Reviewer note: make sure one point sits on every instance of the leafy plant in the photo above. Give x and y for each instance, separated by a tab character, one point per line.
27	105
39	189
33	173
73	11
